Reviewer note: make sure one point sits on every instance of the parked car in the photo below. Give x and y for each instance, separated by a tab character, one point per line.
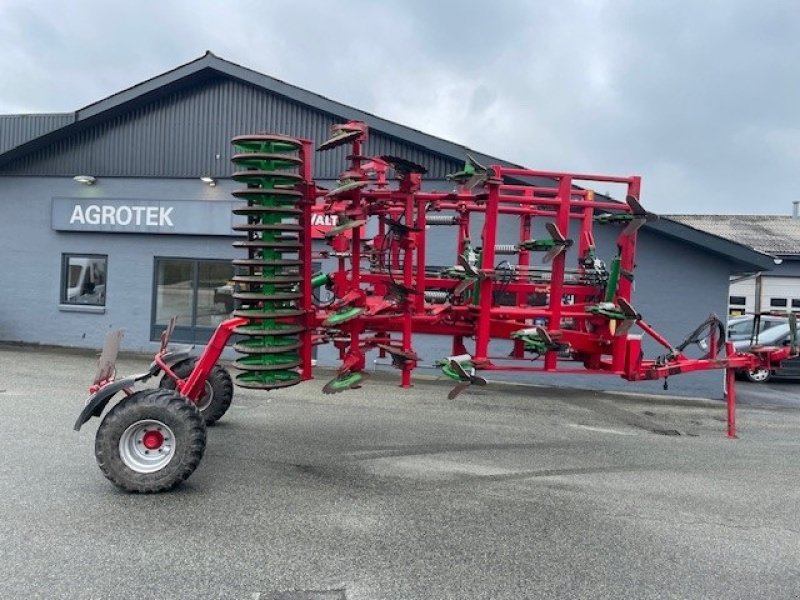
741	328
776	338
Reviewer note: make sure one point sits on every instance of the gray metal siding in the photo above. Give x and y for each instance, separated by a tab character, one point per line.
18	129
187	134
788	268
31	270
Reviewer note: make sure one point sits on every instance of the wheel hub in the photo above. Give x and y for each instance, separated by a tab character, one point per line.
207	398
147	446
152	440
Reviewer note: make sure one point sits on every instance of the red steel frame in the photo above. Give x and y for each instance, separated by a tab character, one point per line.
505	193
369	274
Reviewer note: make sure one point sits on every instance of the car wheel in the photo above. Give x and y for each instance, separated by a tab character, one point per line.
151	441
216	400
759	375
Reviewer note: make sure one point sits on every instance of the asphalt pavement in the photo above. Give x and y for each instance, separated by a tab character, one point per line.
508	492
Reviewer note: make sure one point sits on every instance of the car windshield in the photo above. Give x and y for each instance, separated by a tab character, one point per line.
740	328
774	335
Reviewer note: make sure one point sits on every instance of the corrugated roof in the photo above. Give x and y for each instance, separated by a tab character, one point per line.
773	234
18	129
210	66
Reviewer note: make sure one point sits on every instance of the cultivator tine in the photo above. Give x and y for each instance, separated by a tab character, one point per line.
400	357
343	381
342	316
477	380
399	228
398	352
398	292
106	362
631	317
469	269
402	165
553	252
344	226
633	226
340	135
635	205
627	309
640	215
474	380
480	175
538	340
555	233
623	327
544	335
559	241
454	393
463	286
346	186
473	174
459	370
465	379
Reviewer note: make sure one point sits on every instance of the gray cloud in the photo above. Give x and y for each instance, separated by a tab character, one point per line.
701	99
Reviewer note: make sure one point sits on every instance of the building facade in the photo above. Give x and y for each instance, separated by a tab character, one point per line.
119	216
776	290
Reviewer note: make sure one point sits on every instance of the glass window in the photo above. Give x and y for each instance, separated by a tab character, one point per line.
777	302
214	293
198	292
83	279
741	329
737	300
174	291
795	303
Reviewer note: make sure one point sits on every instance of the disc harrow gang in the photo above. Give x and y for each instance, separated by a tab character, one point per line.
269	292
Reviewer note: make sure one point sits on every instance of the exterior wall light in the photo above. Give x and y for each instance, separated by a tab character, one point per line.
209	180
84	179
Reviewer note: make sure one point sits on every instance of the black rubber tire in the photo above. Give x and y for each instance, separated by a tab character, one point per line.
167	407
220	384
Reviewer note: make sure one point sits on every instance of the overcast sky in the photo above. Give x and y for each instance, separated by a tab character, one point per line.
700	98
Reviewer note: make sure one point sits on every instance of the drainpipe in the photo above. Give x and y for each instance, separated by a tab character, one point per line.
758	294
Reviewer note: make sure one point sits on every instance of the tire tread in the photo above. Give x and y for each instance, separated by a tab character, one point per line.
220	380
143	404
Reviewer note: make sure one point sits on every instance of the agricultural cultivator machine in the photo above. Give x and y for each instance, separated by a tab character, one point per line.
546	314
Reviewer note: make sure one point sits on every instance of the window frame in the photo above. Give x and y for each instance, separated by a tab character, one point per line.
183	333
737	301
63	291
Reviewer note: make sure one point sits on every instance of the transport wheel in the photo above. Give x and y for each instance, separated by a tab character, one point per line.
759	375
151	441
216	400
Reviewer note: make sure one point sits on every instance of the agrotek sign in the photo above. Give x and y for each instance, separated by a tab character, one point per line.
187	217
182	217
